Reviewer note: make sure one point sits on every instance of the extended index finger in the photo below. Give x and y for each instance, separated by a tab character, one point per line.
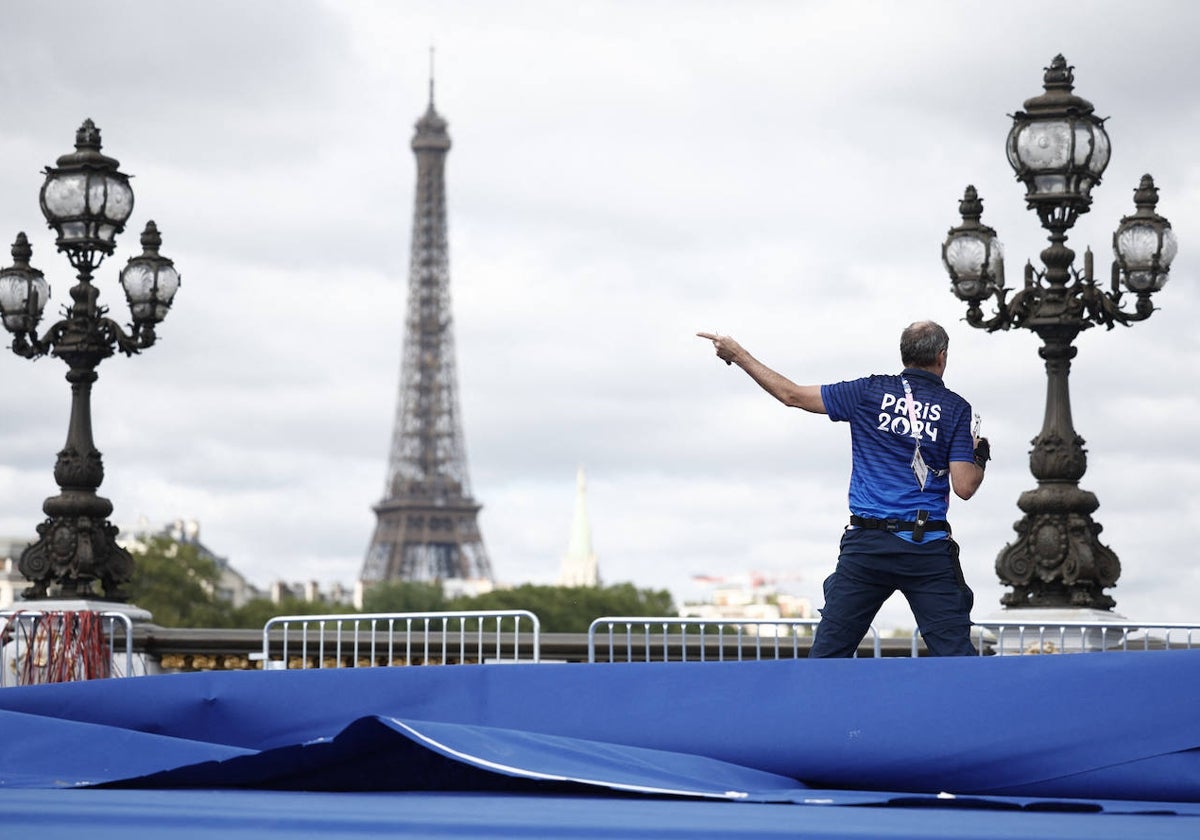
709	336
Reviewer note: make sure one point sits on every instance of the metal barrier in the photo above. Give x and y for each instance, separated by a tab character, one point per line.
24	632
731	638
1015	637
677	639
388	639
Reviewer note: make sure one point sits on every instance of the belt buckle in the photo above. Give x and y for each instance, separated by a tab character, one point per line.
891	525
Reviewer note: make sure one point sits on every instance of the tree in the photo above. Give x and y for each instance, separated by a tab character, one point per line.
176	584
563	609
256	612
403	596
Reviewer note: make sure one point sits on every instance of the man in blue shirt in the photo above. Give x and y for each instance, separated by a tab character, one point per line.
911	443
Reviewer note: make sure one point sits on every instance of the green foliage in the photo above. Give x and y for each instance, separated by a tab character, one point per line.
571	609
254	613
404	596
176	585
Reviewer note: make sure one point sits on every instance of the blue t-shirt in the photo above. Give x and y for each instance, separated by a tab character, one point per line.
882	484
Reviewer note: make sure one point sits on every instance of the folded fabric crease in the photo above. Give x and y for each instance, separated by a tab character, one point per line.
1113	726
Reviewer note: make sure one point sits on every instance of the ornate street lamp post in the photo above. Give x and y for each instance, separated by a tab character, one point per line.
86	200
1059	149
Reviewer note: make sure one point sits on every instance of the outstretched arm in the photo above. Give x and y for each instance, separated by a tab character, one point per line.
966	476
807	397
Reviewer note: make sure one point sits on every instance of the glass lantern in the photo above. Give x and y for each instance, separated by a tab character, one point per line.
1059	149
150	280
86	200
972	254
1144	244
23	290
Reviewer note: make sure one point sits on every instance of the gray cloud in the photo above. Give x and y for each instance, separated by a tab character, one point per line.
783	172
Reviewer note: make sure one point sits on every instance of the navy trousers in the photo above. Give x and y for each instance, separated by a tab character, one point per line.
874	564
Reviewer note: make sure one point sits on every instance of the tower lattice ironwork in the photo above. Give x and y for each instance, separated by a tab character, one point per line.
427	526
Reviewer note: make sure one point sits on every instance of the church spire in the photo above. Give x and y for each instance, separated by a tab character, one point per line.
579	567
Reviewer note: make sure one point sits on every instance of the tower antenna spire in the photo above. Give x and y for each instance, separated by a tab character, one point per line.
431	48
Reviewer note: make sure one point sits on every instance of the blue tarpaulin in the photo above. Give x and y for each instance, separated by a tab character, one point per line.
1114	734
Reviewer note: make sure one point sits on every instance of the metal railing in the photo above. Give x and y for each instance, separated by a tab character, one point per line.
1014	637
390	639
675	639
26	632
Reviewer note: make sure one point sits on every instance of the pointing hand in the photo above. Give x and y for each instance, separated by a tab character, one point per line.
725	346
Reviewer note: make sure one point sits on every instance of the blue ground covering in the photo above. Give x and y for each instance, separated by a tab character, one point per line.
1090	745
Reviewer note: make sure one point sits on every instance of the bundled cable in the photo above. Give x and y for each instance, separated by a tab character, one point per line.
56	647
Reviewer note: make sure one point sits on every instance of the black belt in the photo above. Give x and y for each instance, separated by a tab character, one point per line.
918	526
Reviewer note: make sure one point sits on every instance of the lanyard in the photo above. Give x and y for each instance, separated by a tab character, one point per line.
920	469
910	404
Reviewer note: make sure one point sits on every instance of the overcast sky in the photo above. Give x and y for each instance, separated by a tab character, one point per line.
623	174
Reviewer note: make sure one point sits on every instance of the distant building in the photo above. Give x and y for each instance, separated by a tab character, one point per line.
231	587
749	597
579	566
12	582
468	588
451	588
310	593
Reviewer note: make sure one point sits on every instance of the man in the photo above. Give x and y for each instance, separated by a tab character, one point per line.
911	443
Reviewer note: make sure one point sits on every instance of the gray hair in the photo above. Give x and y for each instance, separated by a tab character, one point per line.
921	342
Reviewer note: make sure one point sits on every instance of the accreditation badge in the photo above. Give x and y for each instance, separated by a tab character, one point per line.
919	467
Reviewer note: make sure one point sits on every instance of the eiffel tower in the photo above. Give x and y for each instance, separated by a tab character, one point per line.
426	525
